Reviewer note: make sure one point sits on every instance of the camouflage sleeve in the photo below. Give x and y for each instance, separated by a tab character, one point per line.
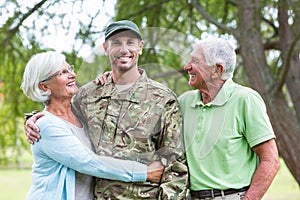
174	183
79	100
76	106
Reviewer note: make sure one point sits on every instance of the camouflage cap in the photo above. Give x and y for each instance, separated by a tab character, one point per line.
122	25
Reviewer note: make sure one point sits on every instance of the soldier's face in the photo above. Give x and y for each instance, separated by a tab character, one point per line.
123	50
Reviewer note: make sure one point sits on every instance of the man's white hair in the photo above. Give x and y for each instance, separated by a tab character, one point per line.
219	51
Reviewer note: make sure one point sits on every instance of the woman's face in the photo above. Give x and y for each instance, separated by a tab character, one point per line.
62	83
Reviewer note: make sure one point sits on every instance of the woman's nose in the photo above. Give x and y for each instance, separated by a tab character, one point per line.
72	74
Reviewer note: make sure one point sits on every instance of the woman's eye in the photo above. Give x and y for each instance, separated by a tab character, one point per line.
65	71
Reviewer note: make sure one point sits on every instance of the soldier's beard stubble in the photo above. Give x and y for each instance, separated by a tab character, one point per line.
127	65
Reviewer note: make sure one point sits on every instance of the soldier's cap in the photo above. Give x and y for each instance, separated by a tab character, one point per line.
118	26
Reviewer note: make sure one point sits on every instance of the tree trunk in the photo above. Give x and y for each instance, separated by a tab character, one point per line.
290	76
290	46
258	73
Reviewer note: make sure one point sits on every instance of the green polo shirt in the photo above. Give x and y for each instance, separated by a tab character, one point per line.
219	136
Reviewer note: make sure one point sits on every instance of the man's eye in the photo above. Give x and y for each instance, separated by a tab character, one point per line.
194	61
115	43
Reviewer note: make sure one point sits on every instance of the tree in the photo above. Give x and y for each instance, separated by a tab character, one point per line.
267	35
271	85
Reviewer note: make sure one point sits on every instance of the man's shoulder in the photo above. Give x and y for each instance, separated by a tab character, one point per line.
246	94
159	87
245	91
88	86
87	90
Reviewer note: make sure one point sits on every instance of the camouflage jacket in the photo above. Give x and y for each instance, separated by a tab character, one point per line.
142	123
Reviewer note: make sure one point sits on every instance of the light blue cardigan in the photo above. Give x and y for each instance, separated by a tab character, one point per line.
59	153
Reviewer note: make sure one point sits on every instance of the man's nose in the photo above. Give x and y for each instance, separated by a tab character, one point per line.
187	67
124	47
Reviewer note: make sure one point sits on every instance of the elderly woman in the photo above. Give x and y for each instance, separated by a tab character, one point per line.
65	146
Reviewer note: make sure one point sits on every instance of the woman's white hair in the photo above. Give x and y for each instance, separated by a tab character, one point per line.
219	51
38	68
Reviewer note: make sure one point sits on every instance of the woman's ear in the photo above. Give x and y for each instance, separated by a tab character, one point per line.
43	86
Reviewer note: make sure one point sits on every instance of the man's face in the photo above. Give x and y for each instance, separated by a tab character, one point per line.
123	50
200	73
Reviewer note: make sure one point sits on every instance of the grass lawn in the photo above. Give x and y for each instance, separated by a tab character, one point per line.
284	186
14	185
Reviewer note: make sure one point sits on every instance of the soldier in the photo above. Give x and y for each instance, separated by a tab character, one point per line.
135	118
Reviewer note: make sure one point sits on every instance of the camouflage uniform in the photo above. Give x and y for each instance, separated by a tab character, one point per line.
142	123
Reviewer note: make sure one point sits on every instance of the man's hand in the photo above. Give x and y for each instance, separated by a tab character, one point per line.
31	129
154	172
101	79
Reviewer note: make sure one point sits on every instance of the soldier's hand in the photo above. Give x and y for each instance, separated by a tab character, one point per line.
31	130
154	172
101	79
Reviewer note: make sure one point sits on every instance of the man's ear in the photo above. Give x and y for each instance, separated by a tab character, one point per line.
105	46
219	68
141	45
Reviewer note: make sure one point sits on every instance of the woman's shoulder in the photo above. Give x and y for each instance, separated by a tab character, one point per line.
49	120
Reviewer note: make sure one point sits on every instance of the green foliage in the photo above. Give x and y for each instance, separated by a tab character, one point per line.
166	73
89	70
13	103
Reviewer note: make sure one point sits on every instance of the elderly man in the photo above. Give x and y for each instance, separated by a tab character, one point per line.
230	145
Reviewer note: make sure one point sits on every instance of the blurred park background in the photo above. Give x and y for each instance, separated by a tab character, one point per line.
265	33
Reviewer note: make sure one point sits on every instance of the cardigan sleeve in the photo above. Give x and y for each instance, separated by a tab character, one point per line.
59	144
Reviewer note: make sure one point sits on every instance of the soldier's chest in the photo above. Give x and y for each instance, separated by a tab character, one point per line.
121	121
